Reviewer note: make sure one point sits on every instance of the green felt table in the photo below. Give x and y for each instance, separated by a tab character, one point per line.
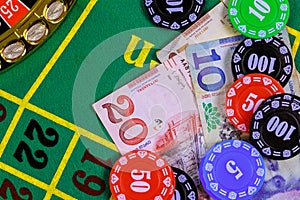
51	92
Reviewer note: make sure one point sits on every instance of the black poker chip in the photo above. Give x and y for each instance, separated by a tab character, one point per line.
174	14
275	127
268	56
185	186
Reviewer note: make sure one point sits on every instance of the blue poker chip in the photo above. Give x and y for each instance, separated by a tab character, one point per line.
232	169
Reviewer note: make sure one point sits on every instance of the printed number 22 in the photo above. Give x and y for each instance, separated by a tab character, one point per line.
40	159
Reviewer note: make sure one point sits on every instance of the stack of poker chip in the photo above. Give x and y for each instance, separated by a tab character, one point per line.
256	104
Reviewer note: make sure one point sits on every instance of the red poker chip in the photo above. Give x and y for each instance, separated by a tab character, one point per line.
246	94
142	174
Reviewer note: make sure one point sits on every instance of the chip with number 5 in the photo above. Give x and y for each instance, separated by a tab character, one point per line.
232	169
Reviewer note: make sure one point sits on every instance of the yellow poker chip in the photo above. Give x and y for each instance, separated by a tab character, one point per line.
25	24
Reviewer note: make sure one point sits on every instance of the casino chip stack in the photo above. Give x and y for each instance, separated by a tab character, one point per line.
275	127
268	56
246	94
259	18
232	169
185	186
174	14
141	174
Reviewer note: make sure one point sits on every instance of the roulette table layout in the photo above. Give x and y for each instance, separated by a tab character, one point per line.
57	59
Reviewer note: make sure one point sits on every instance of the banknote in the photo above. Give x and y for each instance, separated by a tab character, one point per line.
211	61
179	62
156	111
282	180
215	24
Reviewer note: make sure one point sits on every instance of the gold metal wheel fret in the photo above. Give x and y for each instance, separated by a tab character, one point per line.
29	32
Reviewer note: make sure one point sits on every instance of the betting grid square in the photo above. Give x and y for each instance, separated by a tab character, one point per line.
20	140
25	105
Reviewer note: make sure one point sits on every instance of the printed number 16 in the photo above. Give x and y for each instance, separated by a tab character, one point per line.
261	6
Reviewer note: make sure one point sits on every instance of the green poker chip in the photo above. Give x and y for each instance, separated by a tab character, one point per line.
259	18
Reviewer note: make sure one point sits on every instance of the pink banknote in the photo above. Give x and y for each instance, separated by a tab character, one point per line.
155	111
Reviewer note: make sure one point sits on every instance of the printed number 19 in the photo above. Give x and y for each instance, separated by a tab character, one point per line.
261	6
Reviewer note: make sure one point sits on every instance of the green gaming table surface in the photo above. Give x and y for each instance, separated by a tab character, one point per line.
52	145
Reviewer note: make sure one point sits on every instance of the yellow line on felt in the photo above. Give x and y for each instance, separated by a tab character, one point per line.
10	97
296	43
72	127
51	117
11	129
31	180
23	176
60	50
63	195
13	122
97	139
62	166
